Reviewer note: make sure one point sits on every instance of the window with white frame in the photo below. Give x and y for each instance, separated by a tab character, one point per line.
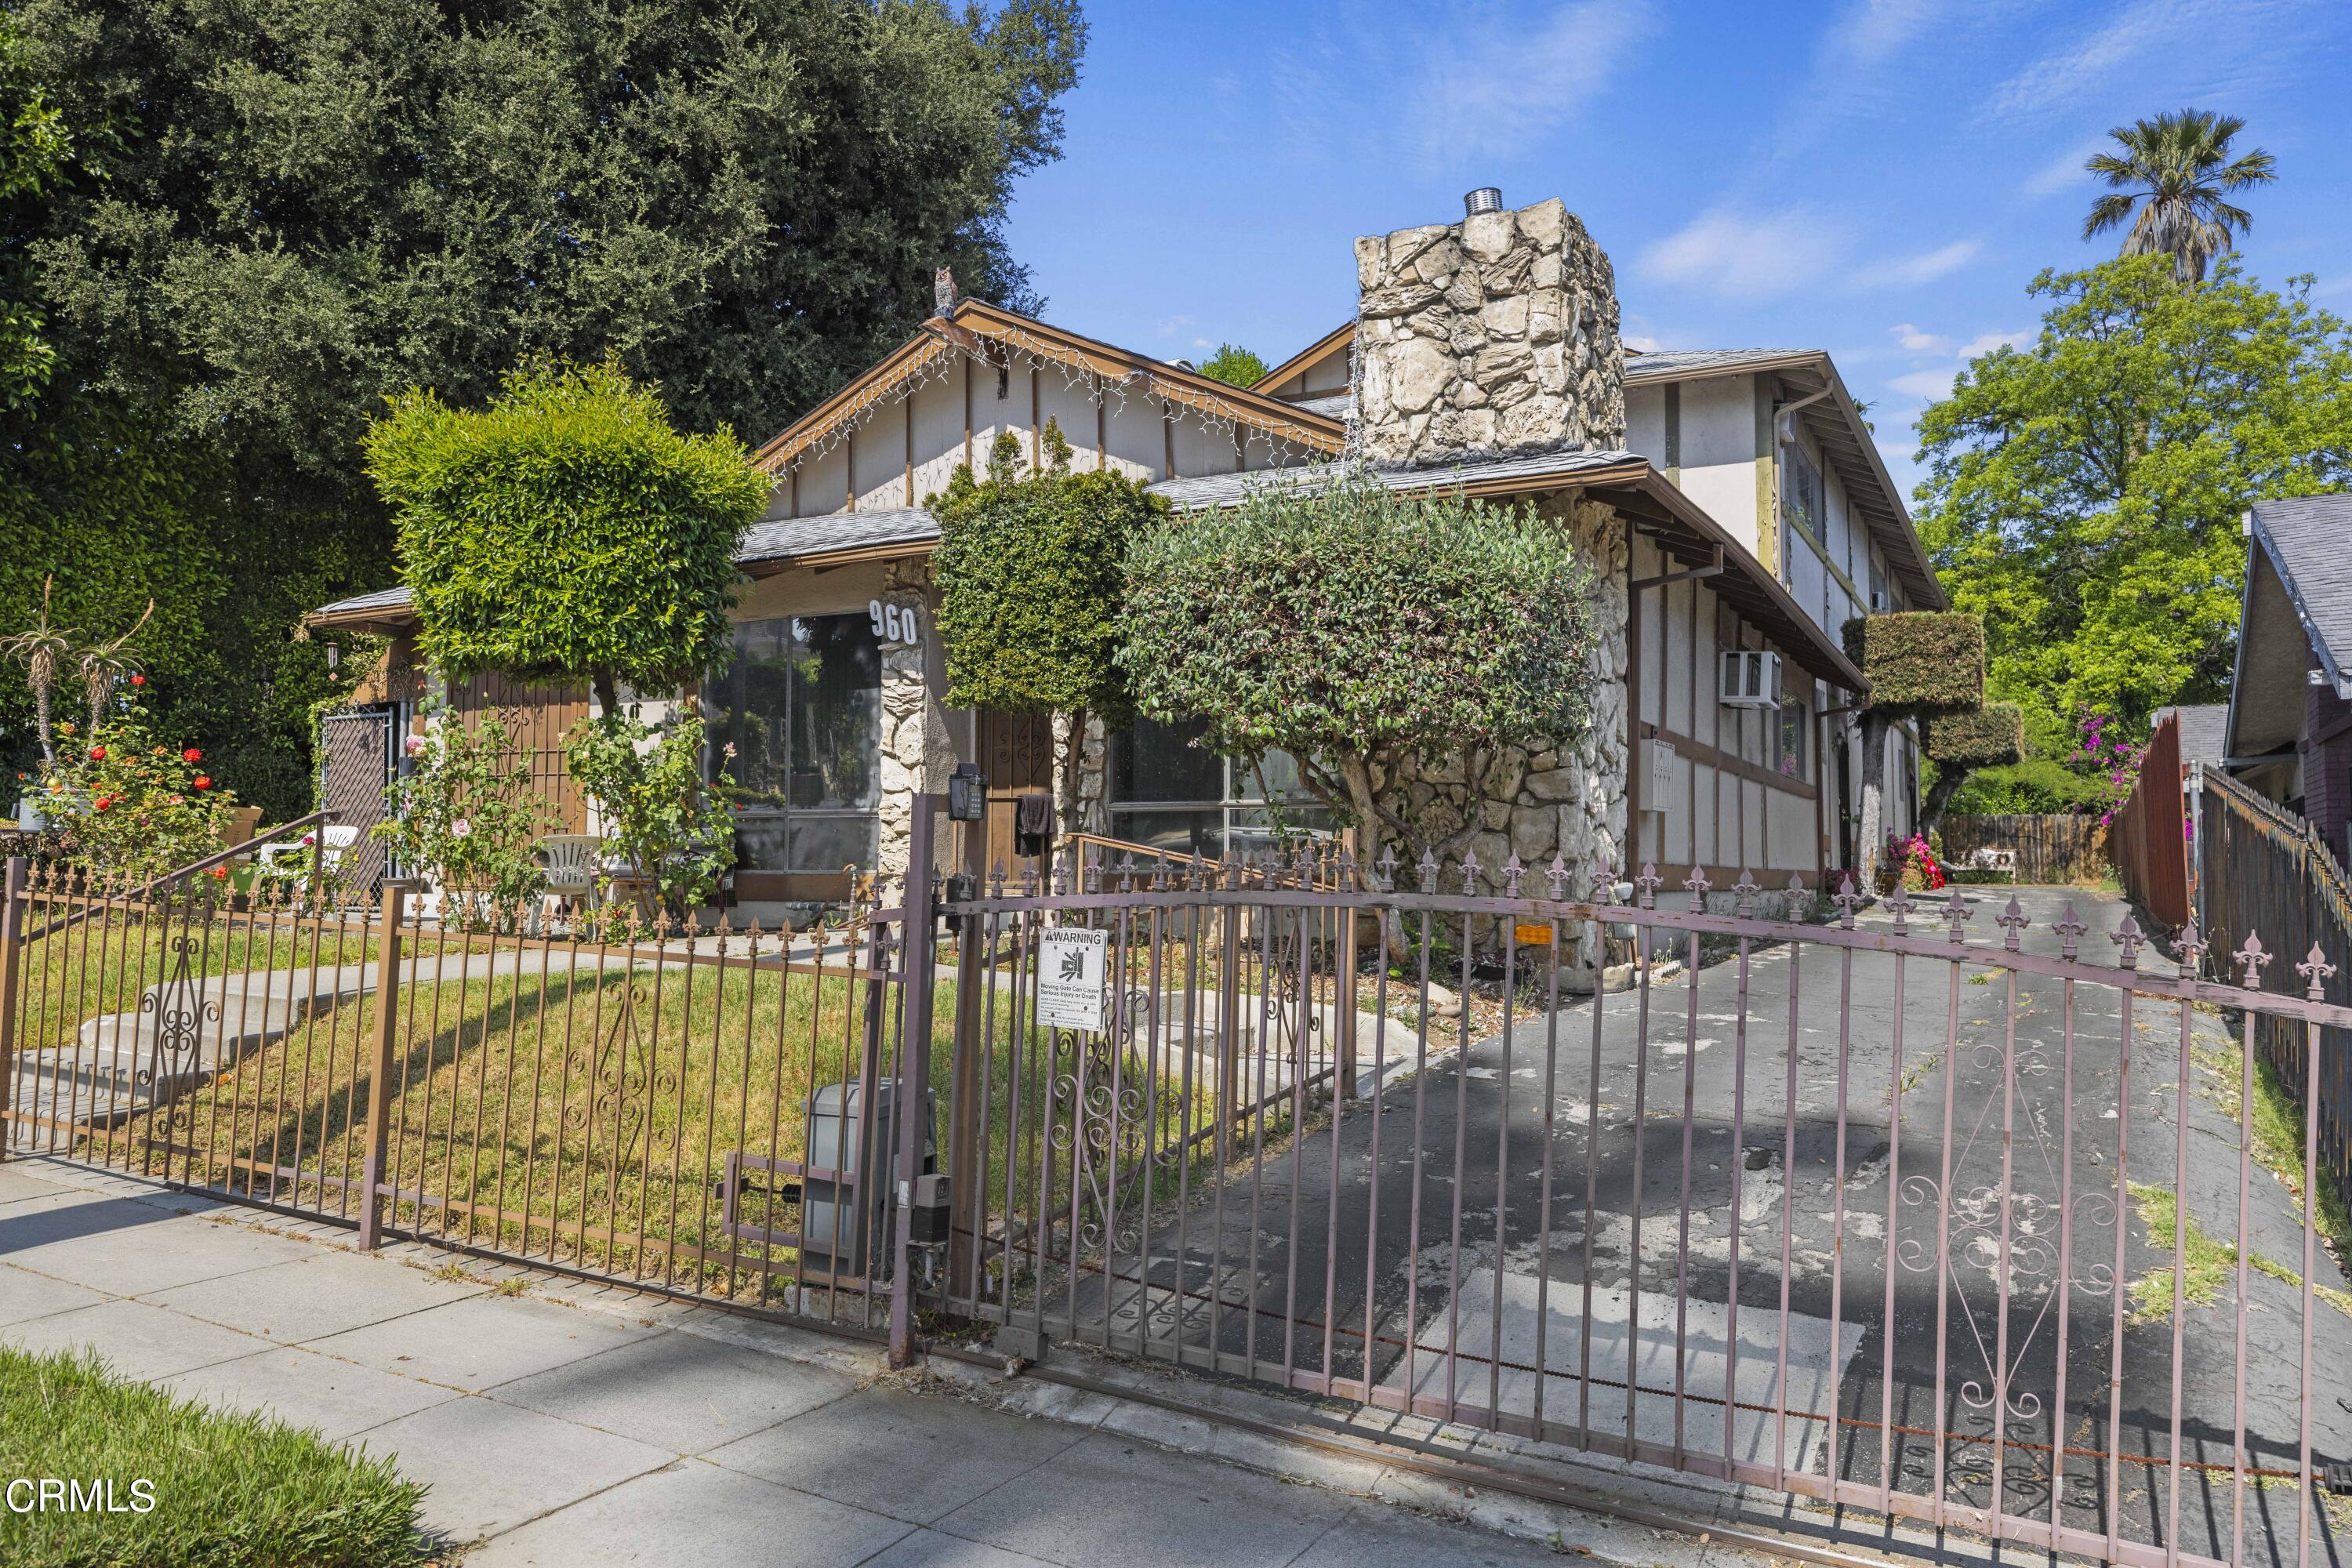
1803	502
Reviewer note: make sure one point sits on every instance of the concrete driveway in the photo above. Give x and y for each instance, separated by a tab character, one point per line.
1734	1160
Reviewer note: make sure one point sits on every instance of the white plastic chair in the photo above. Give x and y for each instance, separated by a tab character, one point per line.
571	861
332	842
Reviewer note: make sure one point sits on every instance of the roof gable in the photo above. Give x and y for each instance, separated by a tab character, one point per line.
977	328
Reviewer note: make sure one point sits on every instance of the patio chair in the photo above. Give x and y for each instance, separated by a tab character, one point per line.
332	842
571	861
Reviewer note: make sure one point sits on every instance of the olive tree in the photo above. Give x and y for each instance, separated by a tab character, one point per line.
1353	628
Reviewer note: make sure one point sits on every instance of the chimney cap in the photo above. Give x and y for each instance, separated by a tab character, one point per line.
1485	199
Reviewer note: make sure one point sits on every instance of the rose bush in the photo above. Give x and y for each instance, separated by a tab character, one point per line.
467	813
120	800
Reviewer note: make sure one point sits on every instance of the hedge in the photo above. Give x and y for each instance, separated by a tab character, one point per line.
1991	736
1920	662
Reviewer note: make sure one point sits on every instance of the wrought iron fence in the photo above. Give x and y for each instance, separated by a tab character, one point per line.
1891	1212
648	1101
1877	1212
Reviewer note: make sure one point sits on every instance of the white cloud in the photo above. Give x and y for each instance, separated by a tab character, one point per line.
1173	326
1855	66
1491	82
2198	47
1914	341
1640	341
1923	383
1985	343
1448	85
1747	256
1914	270
2062	173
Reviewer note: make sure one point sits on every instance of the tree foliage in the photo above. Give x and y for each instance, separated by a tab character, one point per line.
1352	627
277	216
2083	492
329	200
567	530
1031	585
1235	365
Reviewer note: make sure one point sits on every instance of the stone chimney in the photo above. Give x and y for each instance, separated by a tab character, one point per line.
1493	337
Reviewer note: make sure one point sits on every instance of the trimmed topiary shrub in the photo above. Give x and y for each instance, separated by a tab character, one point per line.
1987	737
1920	662
568	531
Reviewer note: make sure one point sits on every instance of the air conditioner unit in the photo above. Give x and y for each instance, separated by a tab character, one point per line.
1752	679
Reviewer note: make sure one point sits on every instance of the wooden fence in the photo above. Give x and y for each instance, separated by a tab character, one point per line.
2151	832
2049	849
2264	871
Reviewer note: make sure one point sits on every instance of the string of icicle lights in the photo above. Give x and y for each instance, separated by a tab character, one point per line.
937	358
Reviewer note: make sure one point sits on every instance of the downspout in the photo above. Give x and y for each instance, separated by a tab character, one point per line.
1784	435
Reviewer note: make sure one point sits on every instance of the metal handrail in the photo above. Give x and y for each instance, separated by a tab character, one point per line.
180	874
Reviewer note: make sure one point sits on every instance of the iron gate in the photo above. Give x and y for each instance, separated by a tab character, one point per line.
1880	1212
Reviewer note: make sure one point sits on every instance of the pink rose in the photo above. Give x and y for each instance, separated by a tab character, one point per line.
461	828
414	745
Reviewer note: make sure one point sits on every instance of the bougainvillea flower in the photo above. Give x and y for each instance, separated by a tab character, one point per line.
192	755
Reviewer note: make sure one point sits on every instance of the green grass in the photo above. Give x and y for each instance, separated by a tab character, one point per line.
228	1490
2209	1263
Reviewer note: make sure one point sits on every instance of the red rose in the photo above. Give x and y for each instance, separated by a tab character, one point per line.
138	680
202	780
98	753
192	755
101	803
220	873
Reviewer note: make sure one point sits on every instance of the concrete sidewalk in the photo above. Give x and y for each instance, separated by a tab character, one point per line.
562	1423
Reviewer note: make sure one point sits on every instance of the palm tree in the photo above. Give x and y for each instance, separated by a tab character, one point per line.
2177	165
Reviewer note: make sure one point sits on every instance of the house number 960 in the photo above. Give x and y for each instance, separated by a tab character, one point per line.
894	623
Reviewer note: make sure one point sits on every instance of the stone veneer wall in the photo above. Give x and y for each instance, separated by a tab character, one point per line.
1566	800
918	752
1494	336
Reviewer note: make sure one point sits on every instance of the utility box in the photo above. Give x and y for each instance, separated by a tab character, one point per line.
838	1123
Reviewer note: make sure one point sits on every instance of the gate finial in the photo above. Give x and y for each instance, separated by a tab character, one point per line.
2129	938
2314	969
1956	913
1649	883
2070	929
1696	885
2011	920
1386	866
1746	889
1899	905
1555	874
1512	872
1429	870
1847	900
2252	959
2187	947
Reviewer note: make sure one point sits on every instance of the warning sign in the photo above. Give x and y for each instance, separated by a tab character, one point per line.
1070	964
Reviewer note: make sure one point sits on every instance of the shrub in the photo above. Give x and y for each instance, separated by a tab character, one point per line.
1984	737
653	806
1032	587
122	800
468	812
566	531
2033	786
228	1490
1919	661
1352	627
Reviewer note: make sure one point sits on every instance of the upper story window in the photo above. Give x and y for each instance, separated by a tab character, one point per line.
1802	503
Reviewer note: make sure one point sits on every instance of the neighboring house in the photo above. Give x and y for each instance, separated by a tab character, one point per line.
2290	725
1732	504
2204	731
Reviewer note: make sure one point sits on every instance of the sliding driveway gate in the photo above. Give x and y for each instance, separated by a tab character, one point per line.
1955	1213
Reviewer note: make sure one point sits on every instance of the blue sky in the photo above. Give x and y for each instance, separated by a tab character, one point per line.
1879	179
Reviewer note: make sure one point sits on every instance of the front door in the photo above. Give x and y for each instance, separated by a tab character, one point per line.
1016	757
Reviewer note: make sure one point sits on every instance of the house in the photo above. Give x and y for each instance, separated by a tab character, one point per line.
2204	731
1732	504
2289	735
